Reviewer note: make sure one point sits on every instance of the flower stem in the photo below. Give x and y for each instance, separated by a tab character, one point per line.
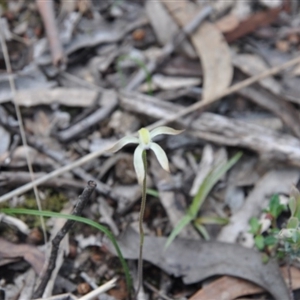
142	211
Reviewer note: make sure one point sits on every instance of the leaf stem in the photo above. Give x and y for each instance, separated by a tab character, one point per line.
142	212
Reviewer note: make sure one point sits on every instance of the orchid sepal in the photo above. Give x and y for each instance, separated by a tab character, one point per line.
123	142
145	143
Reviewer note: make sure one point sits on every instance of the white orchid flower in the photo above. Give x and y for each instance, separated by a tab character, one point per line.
145	142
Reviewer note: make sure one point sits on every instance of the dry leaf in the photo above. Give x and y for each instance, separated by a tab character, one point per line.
31	254
211	47
227	288
256	20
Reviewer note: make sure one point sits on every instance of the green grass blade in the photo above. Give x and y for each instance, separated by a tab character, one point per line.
141	64
81	220
181	224
152	192
212	178
202	231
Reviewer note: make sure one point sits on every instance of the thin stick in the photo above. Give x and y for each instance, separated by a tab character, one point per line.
101	289
82	201
197	105
142	212
22	131
155	290
46	9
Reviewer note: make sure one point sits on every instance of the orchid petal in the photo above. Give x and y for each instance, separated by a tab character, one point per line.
139	164
164	130
161	156
123	142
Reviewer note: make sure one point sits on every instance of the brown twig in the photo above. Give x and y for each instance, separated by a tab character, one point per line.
17	178
46	10
82	201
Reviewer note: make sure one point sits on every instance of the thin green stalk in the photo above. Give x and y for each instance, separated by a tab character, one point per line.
142	212
141	64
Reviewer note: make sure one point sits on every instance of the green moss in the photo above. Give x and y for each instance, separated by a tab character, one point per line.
53	202
3	4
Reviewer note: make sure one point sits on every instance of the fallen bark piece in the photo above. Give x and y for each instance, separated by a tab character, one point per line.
31	77
196	260
65	96
269	144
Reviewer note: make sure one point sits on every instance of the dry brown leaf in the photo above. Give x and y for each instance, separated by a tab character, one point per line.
211	47
31	254
256	20
215	59
227	288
